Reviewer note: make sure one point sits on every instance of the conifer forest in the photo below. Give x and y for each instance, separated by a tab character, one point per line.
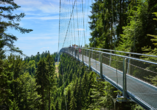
58	81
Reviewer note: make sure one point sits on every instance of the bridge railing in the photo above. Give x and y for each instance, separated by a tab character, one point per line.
131	74
131	54
141	69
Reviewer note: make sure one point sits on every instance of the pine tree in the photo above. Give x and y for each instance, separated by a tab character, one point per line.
51	77
28	97
102	93
106	13
6	13
63	106
72	103
5	90
134	36
42	80
8	40
57	105
152	78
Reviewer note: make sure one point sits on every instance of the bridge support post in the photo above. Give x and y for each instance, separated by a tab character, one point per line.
124	79
101	71
129	64
82	55
78	53
110	59
75	51
89	59
72	50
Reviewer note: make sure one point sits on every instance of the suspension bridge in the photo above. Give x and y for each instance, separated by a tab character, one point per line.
130	74
126	73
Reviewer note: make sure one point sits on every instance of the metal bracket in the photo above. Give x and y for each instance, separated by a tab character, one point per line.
99	79
123	99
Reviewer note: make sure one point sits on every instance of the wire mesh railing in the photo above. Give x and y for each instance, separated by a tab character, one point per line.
140	69
131	54
133	75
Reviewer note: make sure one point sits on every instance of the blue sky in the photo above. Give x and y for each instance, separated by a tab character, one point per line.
43	17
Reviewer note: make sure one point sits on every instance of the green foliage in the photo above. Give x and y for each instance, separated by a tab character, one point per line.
5	81
29	98
78	88
152	78
21	90
122	25
31	67
102	95
134	35
106	13
10	22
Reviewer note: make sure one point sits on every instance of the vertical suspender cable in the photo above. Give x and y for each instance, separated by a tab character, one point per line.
69	22
77	23
59	27
83	23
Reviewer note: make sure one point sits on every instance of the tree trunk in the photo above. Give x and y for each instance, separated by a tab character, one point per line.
49	99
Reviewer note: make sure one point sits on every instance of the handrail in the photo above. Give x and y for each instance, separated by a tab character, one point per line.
125	91
123	56
124	52
126	57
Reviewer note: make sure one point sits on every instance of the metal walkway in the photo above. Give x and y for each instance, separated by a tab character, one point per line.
127	74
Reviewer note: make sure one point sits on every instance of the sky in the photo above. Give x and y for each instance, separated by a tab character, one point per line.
43	17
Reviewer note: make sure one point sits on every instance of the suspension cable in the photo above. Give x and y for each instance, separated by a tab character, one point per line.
69	22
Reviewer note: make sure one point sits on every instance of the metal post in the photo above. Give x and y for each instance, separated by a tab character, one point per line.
75	52
89	59
101	74
110	59
82	55
78	52
124	79
72	51
68	50
128	71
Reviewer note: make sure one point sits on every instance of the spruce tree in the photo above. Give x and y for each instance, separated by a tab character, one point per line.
42	81
6	12
57	105
51	77
140	23
8	20
28	97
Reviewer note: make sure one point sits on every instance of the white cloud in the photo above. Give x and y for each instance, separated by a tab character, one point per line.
52	42
42	18
41	36
38	5
28	2
35	38
45	48
46	18
80	29
78	2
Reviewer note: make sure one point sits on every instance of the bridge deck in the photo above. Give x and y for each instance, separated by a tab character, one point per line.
137	89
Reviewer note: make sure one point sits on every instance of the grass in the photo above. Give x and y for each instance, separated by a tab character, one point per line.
56	70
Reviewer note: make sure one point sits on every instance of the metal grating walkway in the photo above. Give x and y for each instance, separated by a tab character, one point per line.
140	91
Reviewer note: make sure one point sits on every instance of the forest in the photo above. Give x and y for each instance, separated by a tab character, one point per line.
79	89
126	25
32	83
27	84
